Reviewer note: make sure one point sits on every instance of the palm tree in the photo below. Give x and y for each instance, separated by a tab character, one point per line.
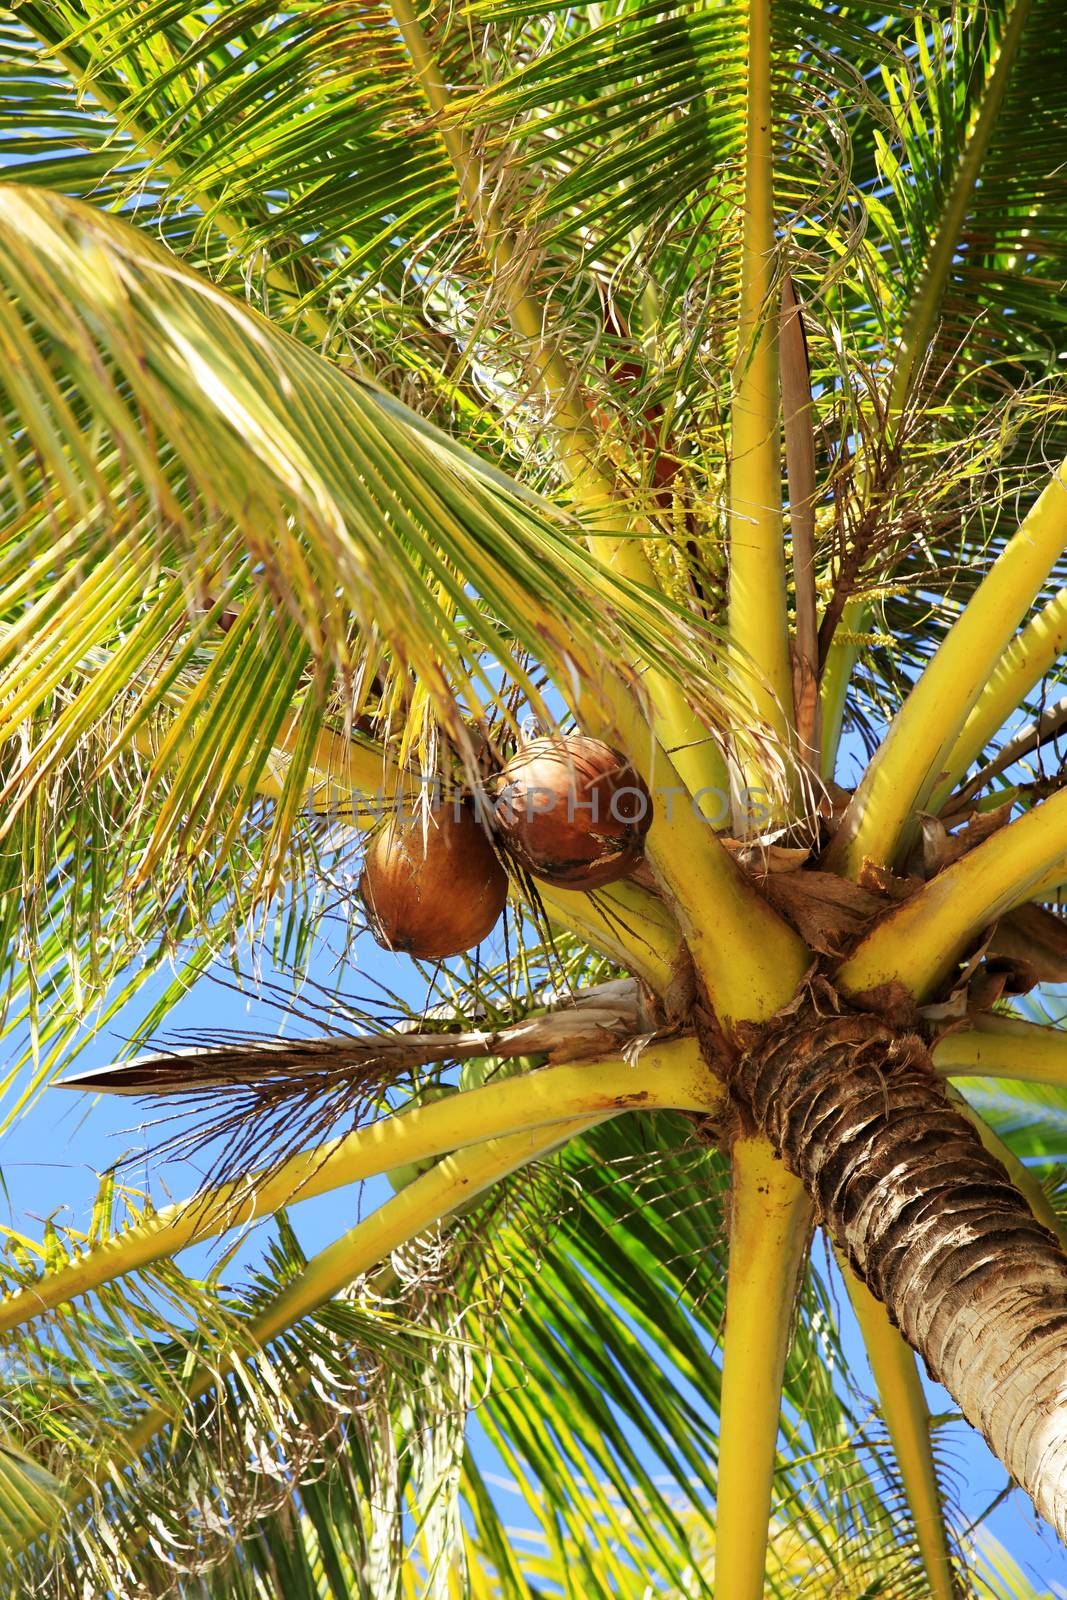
379	380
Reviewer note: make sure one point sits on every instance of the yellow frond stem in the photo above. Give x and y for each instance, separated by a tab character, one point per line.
1031	654
748	959
758	615
627	923
907	1417
454	1181
1021	1176
551	374
746	956
916	336
671	1075
899	780
918	331
1052	885
918	945
1004	1047
770	1226
798	420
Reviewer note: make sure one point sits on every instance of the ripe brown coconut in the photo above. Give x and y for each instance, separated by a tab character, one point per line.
573	811
433	892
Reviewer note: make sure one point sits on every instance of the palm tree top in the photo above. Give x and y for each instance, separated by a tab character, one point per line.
391	392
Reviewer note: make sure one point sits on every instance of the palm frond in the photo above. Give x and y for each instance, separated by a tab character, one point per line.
345	530
335	154
328	479
974	229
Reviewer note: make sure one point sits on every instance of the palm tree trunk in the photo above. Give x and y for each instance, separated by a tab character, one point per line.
928	1218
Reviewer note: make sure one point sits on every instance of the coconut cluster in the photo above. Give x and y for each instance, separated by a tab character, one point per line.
571	812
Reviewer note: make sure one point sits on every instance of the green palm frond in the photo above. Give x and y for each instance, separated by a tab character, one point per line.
600	1344
971	225
329	480
656	92
336	146
78	1507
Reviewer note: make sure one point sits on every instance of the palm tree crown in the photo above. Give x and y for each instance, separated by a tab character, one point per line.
387	388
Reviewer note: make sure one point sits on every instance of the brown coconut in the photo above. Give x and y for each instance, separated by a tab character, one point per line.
573	812
433	891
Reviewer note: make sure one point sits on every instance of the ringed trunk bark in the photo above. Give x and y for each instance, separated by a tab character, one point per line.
928	1219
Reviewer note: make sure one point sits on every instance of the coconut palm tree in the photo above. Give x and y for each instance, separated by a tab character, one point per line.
381	381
